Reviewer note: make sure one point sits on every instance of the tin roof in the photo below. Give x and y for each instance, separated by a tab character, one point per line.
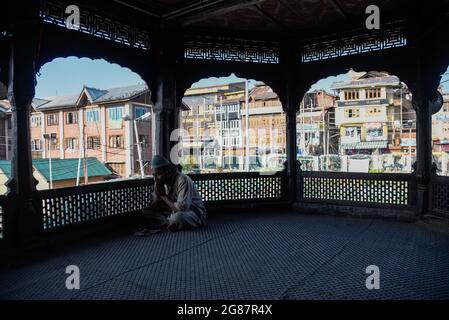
94	95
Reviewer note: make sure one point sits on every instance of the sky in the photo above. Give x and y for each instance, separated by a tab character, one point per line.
68	76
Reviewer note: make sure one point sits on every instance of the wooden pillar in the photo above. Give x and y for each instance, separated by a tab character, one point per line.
164	93
290	102
423	83
26	222
423	165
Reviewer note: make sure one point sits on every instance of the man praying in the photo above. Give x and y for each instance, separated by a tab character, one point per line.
176	202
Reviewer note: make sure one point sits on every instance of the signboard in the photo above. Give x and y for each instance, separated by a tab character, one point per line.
351	103
351	135
408	142
374	131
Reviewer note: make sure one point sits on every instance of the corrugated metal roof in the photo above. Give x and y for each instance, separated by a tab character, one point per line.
5	166
94	93
122	93
59	101
97	96
62	169
262	92
39	102
65	169
380	80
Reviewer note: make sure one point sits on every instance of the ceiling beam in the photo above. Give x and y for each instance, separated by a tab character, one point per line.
204	10
149	13
337	6
270	17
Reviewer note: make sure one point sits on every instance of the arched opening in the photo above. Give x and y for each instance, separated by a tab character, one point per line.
91	121
217	134
440	130
357	122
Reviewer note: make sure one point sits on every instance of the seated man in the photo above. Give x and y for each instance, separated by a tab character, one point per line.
176	203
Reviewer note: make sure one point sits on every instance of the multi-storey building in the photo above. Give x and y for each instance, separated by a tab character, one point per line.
266	134
315	124
5	130
216	128
95	123
205	124
374	114
440	136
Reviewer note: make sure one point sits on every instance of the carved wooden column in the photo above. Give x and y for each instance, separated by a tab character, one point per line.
427	68
164	92
424	150
26	222
290	102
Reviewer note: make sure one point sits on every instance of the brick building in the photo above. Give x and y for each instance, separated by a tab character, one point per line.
92	123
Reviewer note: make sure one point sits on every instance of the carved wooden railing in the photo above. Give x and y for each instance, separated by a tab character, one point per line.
69	206
73	205
241	187
439	194
357	189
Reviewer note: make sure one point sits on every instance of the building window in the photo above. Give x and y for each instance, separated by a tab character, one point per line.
93	142
52	119
71	143
118	168
71	117
36	145
374	111
351	95
36	120
352	113
231	141
92	116
373	93
115	113
144	141
116	142
139	112
54	144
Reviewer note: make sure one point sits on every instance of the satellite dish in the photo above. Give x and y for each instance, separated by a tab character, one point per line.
436	104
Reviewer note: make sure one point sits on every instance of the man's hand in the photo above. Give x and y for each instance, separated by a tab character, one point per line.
159	189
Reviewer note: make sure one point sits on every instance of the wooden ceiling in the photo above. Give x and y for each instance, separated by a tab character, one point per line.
257	16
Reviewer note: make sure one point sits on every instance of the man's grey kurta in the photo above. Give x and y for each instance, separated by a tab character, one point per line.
183	192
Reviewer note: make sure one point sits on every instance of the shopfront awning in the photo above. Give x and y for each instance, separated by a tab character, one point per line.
365	145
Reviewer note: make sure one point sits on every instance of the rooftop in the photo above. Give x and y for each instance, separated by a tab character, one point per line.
62	169
368	79
273	255
94	95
